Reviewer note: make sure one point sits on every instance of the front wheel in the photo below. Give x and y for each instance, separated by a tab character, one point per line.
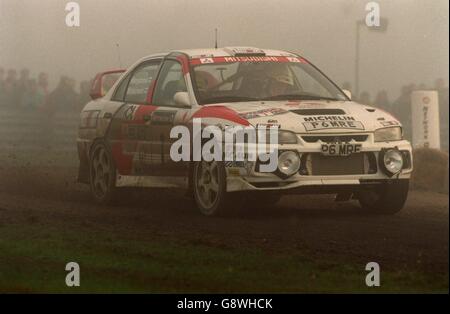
209	183
389	198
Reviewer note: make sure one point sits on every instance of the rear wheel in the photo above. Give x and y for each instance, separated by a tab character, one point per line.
102	174
389	198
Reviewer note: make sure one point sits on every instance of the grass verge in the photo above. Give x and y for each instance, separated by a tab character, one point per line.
33	259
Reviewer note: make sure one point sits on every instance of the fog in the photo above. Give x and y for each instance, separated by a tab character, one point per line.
414	49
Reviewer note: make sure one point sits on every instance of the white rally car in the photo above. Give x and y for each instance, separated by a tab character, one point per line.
326	142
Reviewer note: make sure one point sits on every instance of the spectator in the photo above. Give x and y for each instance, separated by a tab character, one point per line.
442	90
10	89
71	102
2	86
31	98
63	96
402	109
84	98
422	86
23	86
42	90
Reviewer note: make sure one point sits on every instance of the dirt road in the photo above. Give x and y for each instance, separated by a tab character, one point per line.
42	190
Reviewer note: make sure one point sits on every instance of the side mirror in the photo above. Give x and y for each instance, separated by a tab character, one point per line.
347	93
182	99
100	84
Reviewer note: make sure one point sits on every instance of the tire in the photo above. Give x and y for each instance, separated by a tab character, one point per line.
209	187
387	199
102	174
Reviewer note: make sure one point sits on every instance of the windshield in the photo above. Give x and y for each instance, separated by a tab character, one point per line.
233	79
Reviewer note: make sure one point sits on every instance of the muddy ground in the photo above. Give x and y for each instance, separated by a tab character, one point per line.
42	188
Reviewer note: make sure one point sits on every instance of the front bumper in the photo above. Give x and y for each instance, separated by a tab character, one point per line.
244	177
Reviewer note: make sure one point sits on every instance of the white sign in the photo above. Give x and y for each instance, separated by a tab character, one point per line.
425	119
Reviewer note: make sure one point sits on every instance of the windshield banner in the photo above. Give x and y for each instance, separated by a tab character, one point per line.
198	61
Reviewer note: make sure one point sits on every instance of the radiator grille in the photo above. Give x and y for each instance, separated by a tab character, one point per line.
316	164
335	138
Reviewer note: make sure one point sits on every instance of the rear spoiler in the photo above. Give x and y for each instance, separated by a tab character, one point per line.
97	90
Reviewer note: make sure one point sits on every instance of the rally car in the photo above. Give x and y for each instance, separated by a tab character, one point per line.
326	142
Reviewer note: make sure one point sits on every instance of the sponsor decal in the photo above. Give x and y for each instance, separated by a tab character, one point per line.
251	59
220	112
293	59
206	60
162	117
331	122
270	123
262	113
129	112
199	61
293	104
236	144
235	164
235	172
425	125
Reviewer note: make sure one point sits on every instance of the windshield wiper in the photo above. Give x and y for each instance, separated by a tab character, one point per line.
299	97
215	100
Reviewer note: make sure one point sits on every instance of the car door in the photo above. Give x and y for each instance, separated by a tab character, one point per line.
168	114
129	133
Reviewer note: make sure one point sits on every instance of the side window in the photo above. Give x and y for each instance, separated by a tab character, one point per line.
119	95
140	82
170	81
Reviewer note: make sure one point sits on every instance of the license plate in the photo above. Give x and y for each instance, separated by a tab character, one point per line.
340	149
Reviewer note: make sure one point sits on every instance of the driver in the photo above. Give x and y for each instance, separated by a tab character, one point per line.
280	80
271	80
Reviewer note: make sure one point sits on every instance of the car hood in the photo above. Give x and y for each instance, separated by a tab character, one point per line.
313	116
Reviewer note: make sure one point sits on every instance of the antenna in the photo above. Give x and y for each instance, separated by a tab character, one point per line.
215	45
118	54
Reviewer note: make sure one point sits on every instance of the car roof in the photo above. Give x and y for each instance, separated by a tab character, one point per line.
226	52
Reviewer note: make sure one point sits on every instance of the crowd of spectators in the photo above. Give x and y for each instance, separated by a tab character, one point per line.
401	107
21	91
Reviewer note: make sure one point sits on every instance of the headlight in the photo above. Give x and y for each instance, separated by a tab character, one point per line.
287	137
391	161
288	163
388	134
284	137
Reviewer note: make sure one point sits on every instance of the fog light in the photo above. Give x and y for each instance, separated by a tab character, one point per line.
392	161
288	163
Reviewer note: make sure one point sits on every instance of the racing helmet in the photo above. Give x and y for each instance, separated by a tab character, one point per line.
204	80
280	73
